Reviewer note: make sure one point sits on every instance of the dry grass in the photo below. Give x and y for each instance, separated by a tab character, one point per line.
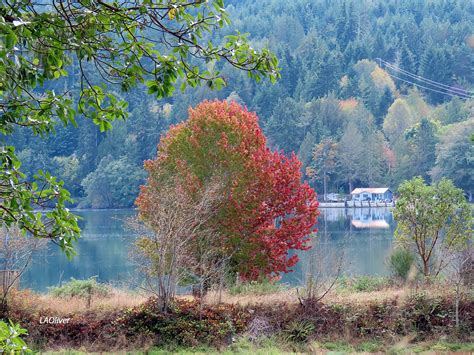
118	299
287	296
291	296
122	298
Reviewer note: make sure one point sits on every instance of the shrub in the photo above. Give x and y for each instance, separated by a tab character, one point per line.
85	289
369	283
299	331
10	341
186	324
400	262
363	283
426	314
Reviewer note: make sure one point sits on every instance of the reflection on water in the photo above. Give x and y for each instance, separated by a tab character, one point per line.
356	235
360	239
370	217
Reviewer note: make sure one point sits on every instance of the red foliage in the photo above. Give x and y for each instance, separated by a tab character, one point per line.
268	211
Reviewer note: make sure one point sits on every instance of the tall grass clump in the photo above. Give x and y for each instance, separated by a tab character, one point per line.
400	263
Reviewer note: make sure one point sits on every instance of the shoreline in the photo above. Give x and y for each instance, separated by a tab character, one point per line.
356	204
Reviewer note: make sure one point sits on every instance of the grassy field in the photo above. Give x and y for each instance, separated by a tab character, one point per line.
274	347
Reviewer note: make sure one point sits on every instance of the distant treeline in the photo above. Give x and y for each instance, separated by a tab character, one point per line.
350	102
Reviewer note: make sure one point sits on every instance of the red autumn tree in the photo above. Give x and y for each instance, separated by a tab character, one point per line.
267	210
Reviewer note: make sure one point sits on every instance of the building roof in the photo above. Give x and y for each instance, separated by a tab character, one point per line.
370	190
371	224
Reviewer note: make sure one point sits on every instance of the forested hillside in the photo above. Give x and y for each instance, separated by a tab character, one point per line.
372	93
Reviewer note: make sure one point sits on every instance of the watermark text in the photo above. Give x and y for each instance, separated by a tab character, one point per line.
54	320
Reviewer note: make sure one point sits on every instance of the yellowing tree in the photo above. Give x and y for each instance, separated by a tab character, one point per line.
399	118
382	80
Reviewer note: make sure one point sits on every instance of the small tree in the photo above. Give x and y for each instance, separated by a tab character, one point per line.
323	269
266	210
324	159
435	221
175	245
15	256
460	270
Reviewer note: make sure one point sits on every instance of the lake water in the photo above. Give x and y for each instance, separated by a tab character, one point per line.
361	238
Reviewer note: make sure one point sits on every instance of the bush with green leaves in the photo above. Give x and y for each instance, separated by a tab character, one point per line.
368	283
400	262
10	338
299	331
84	289
363	283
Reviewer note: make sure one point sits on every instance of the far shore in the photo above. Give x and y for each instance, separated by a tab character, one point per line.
355	204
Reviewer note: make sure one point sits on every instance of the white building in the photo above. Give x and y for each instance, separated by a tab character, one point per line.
372	194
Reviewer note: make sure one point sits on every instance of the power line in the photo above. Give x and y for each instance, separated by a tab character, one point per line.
418	77
463	93
430	89
427	81
451	92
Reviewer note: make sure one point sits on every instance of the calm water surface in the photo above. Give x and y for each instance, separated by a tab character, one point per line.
362	238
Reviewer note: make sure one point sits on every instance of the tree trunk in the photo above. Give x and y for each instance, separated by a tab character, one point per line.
325	183
221	285
457	311
426	268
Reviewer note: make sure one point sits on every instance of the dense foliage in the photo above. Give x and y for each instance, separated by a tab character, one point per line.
267	210
433	221
73	59
11	340
332	87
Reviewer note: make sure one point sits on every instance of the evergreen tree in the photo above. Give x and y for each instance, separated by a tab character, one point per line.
350	155
455	156
324	162
436	65
384	103
351	24
284	124
306	150
407	58
422	140
341	25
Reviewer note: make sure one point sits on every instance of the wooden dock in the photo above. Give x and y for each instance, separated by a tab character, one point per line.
356	204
